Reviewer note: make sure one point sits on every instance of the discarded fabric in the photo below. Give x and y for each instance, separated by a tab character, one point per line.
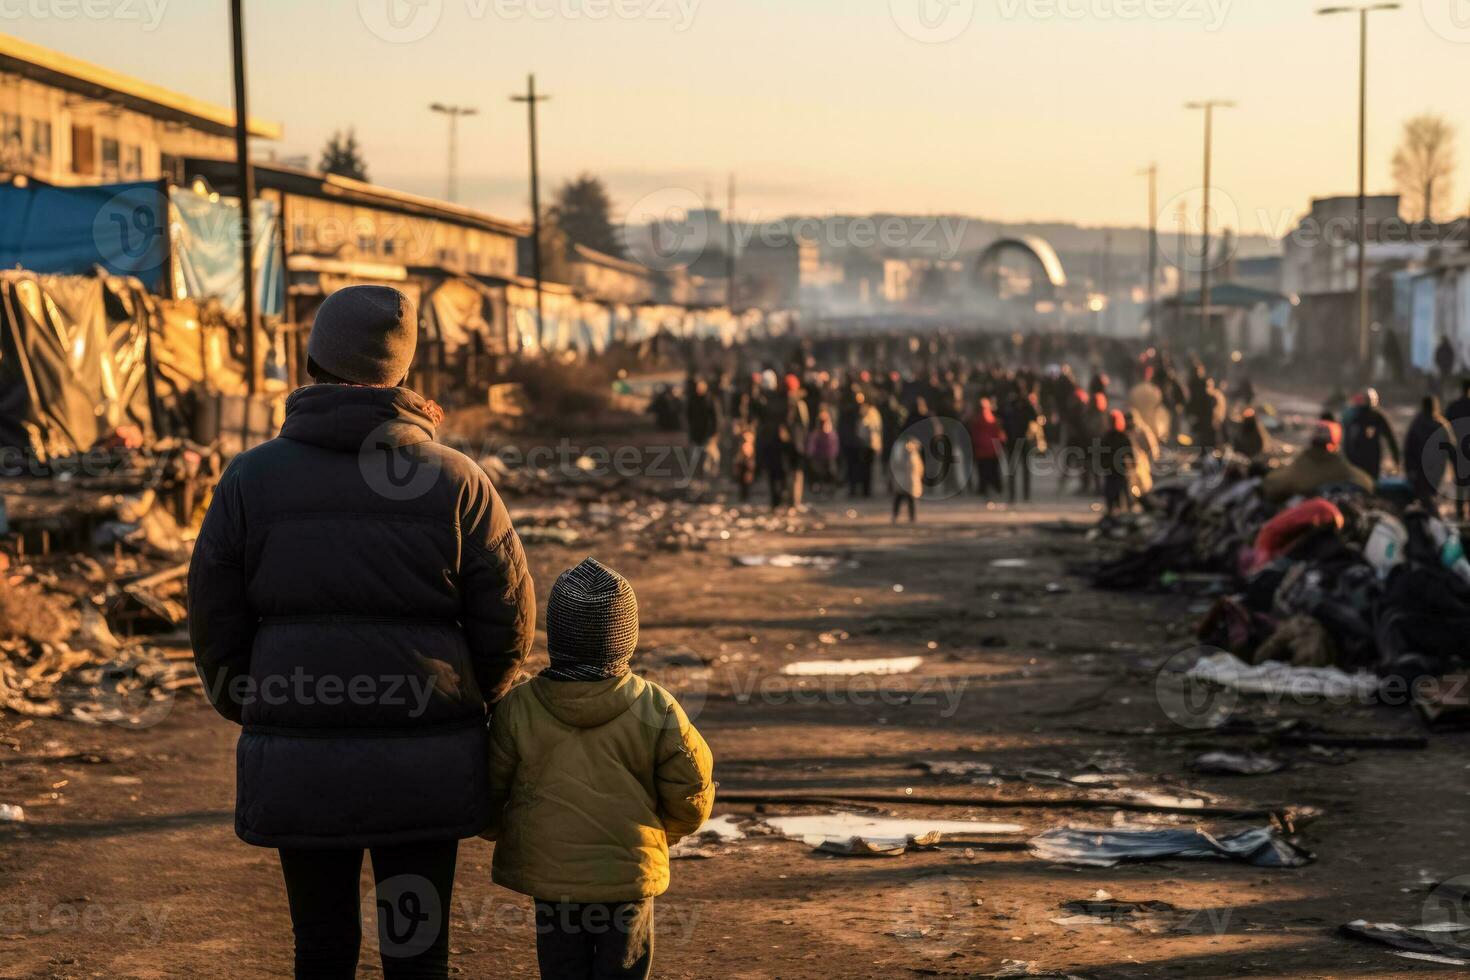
1262	846
1278	679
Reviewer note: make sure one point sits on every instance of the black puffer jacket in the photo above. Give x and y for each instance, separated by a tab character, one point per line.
357	598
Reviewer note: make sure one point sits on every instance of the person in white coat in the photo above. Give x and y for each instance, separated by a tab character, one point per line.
906	465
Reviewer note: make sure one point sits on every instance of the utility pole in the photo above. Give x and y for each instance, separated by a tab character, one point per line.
1153	240
730	240
1209	106
1365	339
530	99
245	179
451	189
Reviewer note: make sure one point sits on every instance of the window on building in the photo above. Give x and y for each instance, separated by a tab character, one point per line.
132	161
41	139
111	156
12	138
83	150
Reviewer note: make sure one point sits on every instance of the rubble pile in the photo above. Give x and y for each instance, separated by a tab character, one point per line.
649	522
1365	583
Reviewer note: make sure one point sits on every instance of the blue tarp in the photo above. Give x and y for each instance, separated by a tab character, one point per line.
206	244
72	230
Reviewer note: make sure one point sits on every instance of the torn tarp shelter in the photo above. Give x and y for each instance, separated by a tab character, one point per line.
72	230
205	233
73	361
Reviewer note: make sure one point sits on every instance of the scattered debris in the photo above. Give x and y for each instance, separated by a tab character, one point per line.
1283	680
1263	847
824	562
705	842
852	668
853	834
12	813
1236	764
1450	940
985	774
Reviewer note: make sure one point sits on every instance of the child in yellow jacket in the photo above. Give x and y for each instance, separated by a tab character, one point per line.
594	773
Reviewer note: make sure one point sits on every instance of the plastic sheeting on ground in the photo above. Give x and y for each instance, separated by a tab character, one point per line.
1259	846
1283	680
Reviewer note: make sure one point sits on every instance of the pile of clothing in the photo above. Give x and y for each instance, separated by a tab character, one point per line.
1362	581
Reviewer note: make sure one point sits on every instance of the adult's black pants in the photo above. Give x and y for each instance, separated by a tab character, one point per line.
413	883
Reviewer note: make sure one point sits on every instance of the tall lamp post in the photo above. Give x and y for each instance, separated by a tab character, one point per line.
451	191
1209	106
1362	10
1152	173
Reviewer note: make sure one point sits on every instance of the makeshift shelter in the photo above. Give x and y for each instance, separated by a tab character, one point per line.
74	361
73	230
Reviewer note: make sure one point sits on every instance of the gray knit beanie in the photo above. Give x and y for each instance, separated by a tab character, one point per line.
366	335
591	624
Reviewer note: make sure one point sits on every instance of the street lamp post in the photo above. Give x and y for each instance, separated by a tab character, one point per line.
1209	106
1152	173
453	112
1362	10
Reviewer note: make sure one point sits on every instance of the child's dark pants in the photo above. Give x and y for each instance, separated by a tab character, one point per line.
594	940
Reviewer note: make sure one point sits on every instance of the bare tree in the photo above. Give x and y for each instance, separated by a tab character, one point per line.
1424	164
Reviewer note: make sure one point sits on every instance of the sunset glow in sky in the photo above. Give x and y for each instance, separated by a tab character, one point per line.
1005	109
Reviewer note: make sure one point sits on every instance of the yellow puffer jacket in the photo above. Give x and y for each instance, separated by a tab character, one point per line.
590	783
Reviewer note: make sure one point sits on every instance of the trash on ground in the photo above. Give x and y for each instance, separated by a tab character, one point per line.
12	813
1236	764
1010	563
825	562
1449	939
1263	847
705	842
986	774
849	668
855	834
1279	679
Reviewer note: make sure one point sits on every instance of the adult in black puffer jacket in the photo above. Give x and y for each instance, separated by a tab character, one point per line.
357	599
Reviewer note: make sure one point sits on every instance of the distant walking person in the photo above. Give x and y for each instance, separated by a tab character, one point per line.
1458	415
702	414
1444	361
357	599
1365	433
906	465
1429	447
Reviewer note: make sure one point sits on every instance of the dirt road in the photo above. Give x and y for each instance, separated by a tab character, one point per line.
128	866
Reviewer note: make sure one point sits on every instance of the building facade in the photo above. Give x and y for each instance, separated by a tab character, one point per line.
67	122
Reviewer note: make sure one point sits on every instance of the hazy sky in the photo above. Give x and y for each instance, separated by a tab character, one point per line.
1006	109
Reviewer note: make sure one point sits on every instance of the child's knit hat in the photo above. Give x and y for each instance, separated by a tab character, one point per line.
591	624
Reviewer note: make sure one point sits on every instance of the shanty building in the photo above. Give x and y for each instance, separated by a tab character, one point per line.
67	122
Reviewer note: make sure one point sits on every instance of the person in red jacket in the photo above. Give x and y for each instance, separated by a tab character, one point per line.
987	442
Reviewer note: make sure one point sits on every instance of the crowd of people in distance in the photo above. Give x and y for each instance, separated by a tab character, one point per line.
940	418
